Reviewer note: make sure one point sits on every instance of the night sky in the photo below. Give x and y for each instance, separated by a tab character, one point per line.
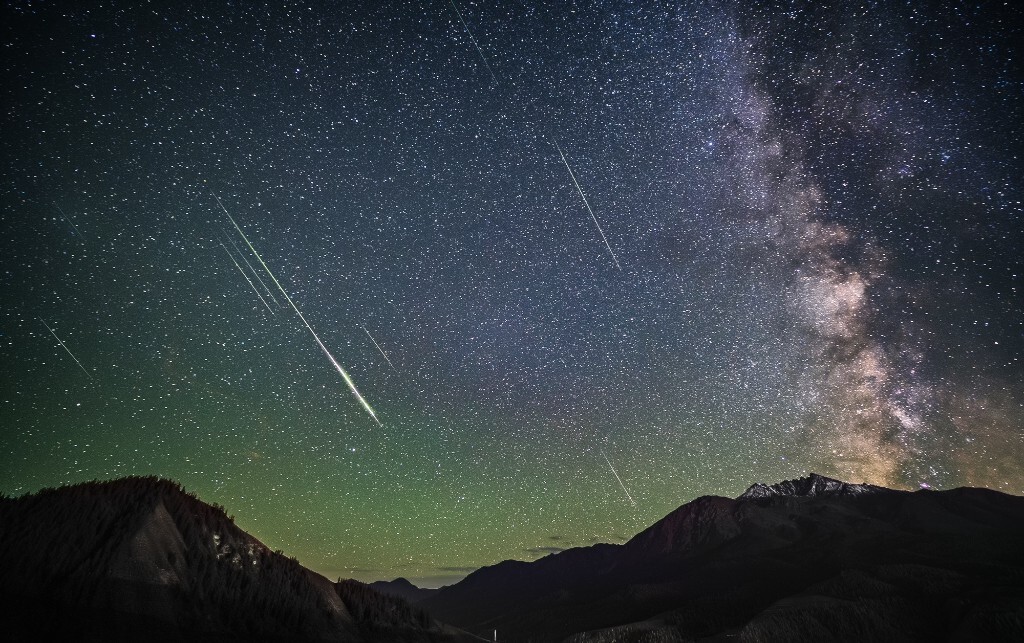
799	250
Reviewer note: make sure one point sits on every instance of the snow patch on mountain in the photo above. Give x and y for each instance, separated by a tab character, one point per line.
813	485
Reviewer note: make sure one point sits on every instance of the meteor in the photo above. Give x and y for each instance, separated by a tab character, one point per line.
619	479
378	347
341	370
72	223
254	273
470	34
586	203
251	285
68	350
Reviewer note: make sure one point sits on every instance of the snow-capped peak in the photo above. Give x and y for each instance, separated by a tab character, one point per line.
812	485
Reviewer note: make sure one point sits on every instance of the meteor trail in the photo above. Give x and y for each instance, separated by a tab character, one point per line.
341	370
378	347
619	479
470	34
254	273
586	203
68	350
251	285
77	231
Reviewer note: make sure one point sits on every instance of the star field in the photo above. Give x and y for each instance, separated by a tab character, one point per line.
784	237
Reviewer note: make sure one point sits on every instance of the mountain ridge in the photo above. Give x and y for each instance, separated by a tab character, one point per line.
812	485
142	557
717	564
802	560
402	588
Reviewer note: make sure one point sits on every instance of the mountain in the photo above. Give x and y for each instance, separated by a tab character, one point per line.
811	559
403	589
140	559
812	485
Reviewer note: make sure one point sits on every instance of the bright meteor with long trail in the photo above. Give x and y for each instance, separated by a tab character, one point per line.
378	347
89	375
615	473
586	203
341	370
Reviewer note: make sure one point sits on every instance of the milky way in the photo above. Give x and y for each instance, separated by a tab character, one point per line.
846	379
788	240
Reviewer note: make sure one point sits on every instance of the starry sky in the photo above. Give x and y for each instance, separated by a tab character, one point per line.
585	261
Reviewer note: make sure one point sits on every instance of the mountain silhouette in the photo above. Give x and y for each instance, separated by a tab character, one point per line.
813	559
139	559
402	588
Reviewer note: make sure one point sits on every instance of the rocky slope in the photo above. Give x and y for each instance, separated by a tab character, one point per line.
140	559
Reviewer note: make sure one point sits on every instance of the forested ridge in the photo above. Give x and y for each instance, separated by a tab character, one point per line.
142	552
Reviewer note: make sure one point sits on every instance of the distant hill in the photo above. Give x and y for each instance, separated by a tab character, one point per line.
139	559
813	559
402	588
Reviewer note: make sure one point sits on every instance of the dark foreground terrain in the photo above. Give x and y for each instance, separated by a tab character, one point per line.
139	559
812	559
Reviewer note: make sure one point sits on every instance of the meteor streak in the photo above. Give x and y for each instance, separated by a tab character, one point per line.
251	285
77	231
470	34
586	203
341	370
619	479
378	347
254	273
68	350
